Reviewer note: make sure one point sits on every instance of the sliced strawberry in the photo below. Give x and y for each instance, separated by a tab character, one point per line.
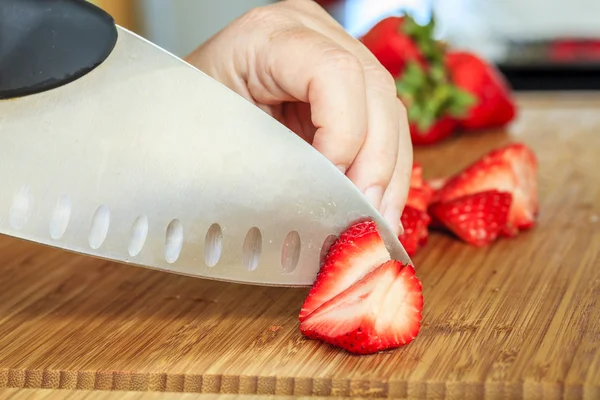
357	252
523	163
418	198
511	169
416	175
437	183
477	219
381	311
415	223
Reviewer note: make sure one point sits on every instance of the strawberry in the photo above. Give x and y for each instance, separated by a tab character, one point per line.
415	223
390	42
380	311
436	132
436	183
416	175
511	169
357	252
420	192
494	106
477	218
415	219
418	198
433	103
396	41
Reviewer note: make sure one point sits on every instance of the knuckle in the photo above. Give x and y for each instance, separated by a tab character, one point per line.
381	79
260	15
342	60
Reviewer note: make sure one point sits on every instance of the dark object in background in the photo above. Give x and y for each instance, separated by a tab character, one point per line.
556	65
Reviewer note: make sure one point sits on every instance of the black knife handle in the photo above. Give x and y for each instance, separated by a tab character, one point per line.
45	44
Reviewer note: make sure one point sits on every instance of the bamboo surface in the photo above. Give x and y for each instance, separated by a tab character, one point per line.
518	319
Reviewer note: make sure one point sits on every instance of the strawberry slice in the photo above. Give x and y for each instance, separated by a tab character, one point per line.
436	183
478	219
418	198
511	169
357	252
379	312
415	223
416	175
420	192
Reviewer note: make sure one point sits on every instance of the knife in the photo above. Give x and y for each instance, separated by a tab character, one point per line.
114	148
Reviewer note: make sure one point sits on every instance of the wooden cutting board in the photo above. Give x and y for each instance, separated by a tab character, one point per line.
518	319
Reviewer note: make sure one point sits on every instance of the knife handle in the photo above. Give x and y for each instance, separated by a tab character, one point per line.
45	44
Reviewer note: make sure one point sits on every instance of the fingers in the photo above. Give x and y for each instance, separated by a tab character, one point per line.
381	164
329	78
301	66
395	196
374	165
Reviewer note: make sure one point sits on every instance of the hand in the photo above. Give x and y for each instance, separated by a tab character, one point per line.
298	64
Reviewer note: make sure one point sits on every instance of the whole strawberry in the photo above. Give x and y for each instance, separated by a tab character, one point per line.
494	105
390	42
433	103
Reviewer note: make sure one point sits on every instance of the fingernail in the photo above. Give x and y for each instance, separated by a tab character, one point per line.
341	168
392	216
374	194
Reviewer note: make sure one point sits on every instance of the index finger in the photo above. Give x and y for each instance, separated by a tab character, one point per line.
312	68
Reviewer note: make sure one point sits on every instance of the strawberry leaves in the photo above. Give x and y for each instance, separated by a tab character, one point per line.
443	90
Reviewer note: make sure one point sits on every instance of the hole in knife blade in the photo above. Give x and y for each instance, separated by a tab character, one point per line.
290	253
173	241
20	210
139	233
60	217
100	225
252	249
213	245
325	248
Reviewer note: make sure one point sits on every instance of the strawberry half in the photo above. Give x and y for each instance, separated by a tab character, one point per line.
415	223
379	312
357	252
478	219
511	169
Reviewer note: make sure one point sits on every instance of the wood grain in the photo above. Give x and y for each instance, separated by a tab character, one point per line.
62	394
518	319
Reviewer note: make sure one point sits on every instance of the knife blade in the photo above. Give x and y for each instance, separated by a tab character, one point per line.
146	160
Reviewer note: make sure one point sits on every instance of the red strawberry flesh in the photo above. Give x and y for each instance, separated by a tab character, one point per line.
379	312
415	223
477	219
357	252
511	169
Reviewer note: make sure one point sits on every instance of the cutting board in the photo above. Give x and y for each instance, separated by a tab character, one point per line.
517	319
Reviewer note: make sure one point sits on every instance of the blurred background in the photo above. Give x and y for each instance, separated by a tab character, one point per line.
537	44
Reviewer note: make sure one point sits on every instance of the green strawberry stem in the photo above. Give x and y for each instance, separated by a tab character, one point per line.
427	91
423	36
